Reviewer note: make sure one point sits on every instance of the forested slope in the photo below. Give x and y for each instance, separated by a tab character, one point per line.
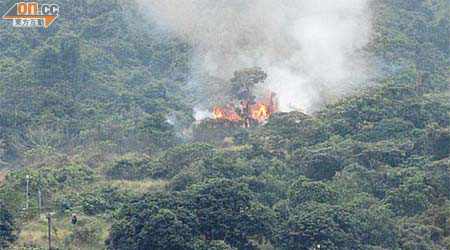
95	78
96	109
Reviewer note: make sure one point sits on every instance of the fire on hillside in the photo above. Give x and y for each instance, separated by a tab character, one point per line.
246	114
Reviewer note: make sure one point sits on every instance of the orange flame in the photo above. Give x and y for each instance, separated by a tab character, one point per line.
228	113
260	111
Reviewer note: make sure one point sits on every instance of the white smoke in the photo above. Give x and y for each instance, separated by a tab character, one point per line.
312	50
200	114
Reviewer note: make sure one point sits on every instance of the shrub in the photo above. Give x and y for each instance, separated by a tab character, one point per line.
100	199
84	234
183	180
179	158
130	167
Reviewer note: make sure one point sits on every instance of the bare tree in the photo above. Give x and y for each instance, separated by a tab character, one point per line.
39	144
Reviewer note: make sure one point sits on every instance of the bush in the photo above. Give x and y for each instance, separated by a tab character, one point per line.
179	158
130	168
184	179
84	234
98	200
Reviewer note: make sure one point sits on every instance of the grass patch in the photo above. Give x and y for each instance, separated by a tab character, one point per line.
90	233
140	186
3	173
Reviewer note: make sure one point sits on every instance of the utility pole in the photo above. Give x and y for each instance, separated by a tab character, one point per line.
28	182
49	231
39	194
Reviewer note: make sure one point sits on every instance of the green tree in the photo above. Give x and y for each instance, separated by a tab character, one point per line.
242	85
312	224
7	227
304	190
379	227
412	196
212	245
158	130
155	221
316	165
222	166
226	212
180	158
439	141
130	167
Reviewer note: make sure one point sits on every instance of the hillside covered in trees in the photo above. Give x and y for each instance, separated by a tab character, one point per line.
97	120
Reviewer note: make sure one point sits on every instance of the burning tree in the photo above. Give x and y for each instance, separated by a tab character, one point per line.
242	85
246	110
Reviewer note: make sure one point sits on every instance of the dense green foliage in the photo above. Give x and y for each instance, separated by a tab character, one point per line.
77	86
157	221
7	227
217	210
96	114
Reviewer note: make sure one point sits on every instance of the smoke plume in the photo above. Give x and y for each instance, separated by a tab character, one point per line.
312	51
